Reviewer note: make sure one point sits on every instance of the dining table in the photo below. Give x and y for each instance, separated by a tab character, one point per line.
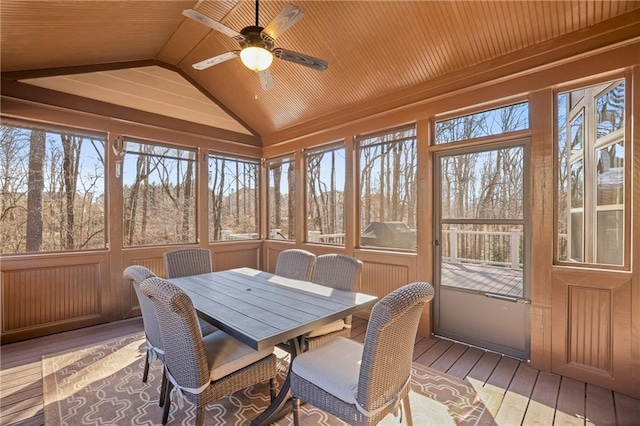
264	310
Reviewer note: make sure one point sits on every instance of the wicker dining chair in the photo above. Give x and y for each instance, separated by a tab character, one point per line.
136	274
296	264
155	349
358	383
340	272
187	261
199	369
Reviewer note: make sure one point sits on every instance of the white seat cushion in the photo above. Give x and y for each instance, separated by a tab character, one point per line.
334	367
227	354
326	329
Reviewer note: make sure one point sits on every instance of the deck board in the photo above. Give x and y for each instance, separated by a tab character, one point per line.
434	352
530	396
599	406
483	278
447	359
465	363
422	345
627	410
503	373
484	367
542	407
516	399
570	407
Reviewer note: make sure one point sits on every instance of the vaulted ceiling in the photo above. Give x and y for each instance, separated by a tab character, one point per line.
375	50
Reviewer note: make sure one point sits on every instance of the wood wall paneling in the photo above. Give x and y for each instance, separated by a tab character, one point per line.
591	320
56	296
589	325
236	255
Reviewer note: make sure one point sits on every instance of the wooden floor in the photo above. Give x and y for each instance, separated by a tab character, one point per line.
530	396
483	278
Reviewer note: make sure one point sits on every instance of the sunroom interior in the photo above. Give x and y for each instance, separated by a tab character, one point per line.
489	148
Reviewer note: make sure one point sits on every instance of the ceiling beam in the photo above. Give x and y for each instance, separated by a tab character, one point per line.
16	76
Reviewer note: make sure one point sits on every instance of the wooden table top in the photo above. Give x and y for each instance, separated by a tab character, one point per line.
262	309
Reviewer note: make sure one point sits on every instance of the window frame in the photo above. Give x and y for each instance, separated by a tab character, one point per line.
258	162
285	158
358	146
306	153
49	127
478	109
195	192
590	207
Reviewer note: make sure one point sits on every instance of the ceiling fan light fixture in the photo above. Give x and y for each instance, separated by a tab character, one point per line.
256	58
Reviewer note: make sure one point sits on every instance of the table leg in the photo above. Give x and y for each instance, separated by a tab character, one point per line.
280	406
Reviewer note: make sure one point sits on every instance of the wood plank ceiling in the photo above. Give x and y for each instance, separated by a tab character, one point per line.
374	48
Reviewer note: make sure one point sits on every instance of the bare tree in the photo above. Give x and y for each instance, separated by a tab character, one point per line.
71	147
291	210
217	194
35	189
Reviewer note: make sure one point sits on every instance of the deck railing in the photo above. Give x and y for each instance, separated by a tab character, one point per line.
498	248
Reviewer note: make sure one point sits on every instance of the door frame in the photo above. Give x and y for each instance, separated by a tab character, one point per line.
485	145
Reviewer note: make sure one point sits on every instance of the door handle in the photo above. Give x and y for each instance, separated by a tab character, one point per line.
508	298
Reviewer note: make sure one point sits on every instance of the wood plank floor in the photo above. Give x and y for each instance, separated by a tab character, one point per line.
530	396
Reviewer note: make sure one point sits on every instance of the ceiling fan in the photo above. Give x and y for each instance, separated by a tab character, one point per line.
257	44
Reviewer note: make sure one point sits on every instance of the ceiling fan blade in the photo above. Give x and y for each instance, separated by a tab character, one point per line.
216	60
301	59
266	79
288	16
205	20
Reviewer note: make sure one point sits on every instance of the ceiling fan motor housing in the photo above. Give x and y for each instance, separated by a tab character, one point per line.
253	38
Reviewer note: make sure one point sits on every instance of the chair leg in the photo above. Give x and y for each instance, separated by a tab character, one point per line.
145	375
200	416
167	403
272	388
163	388
295	402
406	405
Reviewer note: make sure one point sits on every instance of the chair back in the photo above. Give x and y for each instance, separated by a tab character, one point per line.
388	345
189	261
184	354
338	271
296	264
137	274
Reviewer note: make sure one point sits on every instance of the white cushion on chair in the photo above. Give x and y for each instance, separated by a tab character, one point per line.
326	329
334	367
227	354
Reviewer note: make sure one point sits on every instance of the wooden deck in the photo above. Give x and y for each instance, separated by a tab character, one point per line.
492	279
530	396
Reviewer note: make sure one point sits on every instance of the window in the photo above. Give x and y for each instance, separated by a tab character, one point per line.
388	164
158	190
486	123
233	198
282	198
325	194
592	174
53	187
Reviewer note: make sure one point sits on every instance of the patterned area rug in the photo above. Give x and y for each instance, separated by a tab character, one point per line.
102	385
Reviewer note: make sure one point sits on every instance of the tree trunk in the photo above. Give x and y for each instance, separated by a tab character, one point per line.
145	201
216	199
291	201
71	148
277	216
35	189
186	203
395	183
